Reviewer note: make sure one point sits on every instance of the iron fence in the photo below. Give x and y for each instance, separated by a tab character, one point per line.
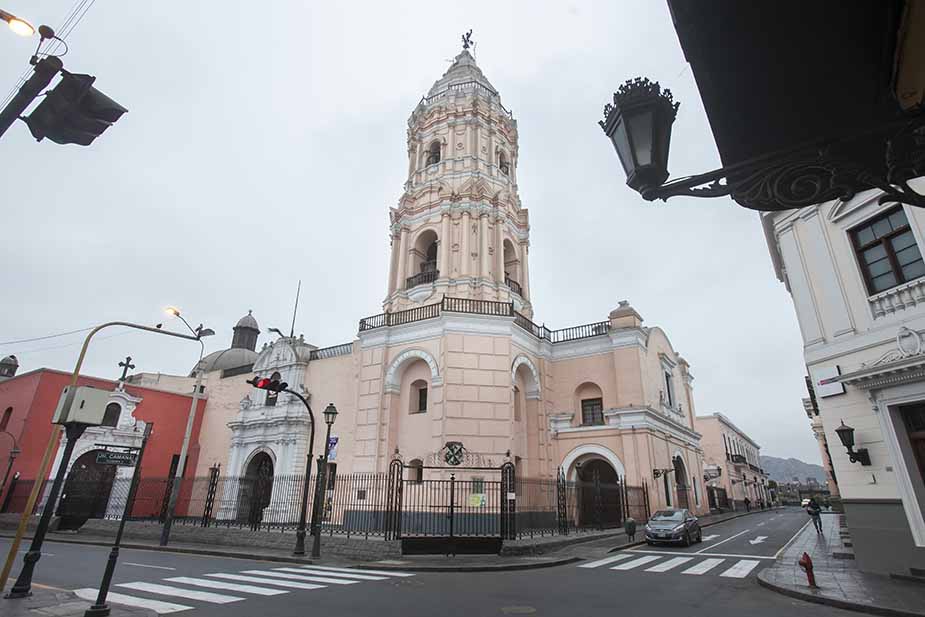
358	504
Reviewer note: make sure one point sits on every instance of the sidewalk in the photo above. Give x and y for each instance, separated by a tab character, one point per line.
840	583
50	602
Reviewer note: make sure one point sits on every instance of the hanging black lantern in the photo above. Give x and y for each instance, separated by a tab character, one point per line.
846	435
639	125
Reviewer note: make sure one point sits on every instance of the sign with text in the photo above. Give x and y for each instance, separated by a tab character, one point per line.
123	459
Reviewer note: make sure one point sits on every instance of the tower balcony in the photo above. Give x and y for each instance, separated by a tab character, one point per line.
514	285
421	278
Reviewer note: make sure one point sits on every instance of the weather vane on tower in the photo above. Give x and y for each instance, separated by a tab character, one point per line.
467	39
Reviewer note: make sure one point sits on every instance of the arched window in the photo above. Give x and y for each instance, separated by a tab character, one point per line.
433	153
111	415
503	163
424	256
416	471
418	398
271	395
5	420
591	400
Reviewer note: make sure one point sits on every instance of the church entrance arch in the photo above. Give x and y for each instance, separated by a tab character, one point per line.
600	494
256	490
86	491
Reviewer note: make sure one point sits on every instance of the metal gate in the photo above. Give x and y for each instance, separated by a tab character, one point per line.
466	505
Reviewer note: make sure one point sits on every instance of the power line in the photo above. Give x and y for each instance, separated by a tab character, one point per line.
75	343
42	338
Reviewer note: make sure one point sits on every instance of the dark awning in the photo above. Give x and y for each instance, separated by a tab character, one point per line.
774	75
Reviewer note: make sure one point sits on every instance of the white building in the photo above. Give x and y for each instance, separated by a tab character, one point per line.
855	272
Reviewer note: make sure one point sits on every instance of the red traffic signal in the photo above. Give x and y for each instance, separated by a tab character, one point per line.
265	383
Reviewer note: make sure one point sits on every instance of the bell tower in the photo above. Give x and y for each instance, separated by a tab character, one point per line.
459	229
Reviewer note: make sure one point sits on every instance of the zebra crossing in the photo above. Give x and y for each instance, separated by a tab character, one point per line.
171	594
695	564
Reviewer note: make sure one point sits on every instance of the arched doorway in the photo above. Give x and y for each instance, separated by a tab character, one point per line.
600	499
256	490
680	482
86	491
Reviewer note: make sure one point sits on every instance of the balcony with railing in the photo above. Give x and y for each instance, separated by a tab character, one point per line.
738	459
422	278
484	307
514	285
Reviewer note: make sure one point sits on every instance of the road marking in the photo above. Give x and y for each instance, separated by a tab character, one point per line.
317	571
300	577
629	565
761	523
202	582
312	576
722	541
741	569
162	608
668	565
363	570
604	562
758	540
704	554
704	566
265	581
790	541
710	537
144	565
179	592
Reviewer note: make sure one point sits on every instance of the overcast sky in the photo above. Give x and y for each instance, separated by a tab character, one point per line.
265	143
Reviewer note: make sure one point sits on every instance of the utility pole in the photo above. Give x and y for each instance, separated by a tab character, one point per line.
44	71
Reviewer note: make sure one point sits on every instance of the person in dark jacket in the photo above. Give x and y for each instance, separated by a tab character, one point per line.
814	510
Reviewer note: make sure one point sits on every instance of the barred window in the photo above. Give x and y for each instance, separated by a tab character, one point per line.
887	251
592	411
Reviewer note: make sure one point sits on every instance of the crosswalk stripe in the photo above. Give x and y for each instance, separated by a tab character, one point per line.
364	571
741	569
301	577
629	565
604	562
266	581
704	566
162	608
712	536
179	592
358	575
668	565
202	582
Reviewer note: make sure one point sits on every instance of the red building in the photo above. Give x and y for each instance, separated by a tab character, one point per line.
28	401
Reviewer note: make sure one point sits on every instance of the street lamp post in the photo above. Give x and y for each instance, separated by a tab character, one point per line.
14	452
24	581
199	332
330	414
300	532
16	24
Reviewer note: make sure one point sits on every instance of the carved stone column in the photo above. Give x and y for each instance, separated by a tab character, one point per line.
402	259
445	246
484	262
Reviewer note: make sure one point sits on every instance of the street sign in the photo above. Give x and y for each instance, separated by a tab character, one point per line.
123	459
332	448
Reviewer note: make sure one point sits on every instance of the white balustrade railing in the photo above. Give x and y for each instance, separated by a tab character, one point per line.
898	299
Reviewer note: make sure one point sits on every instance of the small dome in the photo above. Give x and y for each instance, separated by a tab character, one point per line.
224	360
10	361
248	321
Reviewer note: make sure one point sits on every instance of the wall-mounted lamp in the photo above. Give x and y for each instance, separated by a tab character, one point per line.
846	435
658	473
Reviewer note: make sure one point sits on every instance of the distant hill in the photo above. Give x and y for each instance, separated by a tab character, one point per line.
784	469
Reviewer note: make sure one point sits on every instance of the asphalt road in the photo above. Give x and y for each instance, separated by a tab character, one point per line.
574	590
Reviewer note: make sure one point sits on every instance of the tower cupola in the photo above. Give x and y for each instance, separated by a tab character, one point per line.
246	332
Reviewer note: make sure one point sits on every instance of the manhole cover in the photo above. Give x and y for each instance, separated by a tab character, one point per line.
518	610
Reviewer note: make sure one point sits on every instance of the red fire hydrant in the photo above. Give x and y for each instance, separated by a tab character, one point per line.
806	562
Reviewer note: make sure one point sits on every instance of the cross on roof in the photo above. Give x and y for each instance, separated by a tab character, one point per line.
126	366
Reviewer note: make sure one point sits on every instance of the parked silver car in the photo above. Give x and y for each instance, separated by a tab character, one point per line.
673	525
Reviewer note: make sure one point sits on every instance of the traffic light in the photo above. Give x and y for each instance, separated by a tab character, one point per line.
74	112
265	383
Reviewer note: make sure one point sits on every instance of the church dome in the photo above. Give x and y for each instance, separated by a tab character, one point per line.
9	361
248	321
225	359
462	72
8	367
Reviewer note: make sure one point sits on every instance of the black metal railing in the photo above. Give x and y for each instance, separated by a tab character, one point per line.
738	459
514	285
485	307
421	278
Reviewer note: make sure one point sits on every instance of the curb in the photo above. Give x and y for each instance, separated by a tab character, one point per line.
508	567
180	549
842	604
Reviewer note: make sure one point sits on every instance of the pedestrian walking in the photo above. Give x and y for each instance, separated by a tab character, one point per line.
748	504
629	525
814	510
